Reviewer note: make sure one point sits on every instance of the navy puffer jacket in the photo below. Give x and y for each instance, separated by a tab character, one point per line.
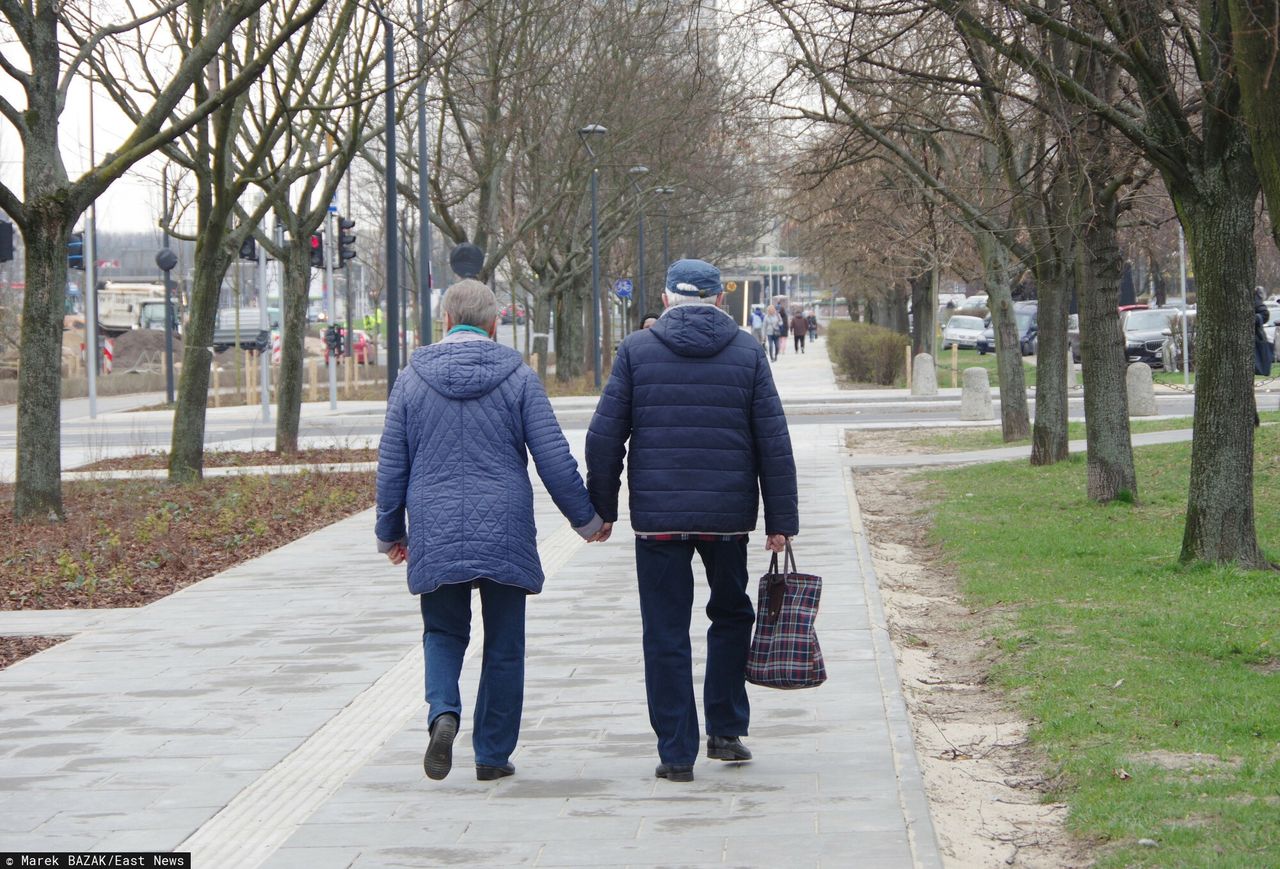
707	433
453	455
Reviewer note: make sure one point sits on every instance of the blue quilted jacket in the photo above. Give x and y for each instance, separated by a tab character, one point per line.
708	437
453	455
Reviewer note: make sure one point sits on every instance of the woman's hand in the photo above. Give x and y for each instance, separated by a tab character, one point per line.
603	534
397	553
775	543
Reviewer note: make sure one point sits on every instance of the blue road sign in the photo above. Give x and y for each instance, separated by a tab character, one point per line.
622	287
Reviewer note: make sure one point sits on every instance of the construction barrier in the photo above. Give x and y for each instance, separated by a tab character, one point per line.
275	348
108	355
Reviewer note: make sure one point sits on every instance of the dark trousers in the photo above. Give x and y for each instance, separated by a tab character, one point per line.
799	341
446	623
665	571
773	348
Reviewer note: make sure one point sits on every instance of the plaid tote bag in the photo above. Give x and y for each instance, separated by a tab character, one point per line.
784	651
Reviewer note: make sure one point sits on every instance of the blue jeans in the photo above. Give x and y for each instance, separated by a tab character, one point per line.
446	631
773	348
665	572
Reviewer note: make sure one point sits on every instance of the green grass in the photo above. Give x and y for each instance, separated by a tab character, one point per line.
1115	651
973	359
963	439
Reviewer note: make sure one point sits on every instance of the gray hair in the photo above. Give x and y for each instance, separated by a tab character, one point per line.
674	299
470	303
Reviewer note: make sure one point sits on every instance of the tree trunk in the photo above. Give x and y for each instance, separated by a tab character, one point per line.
1255	36
186	450
293	326
1111	472
37	495
924	313
1015	418
1049	435
540	316
569	338
1219	228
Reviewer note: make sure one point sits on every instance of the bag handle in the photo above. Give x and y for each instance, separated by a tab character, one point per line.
789	562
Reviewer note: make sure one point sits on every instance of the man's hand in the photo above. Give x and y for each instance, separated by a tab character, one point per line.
603	534
775	543
397	553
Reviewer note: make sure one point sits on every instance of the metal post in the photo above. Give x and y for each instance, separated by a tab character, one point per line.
1182	266
91	355
424	200
393	243
640	302
595	275
331	308
168	332
264	324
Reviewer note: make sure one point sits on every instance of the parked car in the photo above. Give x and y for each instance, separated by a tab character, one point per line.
973	303
1145	331
962	331
505	314
1025	320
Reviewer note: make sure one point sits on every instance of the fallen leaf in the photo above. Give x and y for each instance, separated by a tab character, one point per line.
1122	774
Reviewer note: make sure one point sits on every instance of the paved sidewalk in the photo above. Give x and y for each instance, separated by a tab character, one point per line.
272	716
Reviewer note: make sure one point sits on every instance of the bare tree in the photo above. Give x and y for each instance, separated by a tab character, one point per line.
51	201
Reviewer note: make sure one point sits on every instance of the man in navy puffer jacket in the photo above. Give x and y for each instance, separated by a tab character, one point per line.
694	397
453	455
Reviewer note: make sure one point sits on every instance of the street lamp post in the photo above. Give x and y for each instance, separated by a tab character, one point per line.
636	173
166	259
393	243
665	192
585	134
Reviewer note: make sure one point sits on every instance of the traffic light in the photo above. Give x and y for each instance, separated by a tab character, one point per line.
346	241
333	340
6	241
249	249
317	250
75	251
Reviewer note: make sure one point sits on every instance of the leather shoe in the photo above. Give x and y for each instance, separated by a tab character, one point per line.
484	772
675	771
727	748
439	757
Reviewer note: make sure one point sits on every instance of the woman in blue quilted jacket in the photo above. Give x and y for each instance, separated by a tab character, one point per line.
462	420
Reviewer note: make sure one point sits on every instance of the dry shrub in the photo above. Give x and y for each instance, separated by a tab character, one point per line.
867	354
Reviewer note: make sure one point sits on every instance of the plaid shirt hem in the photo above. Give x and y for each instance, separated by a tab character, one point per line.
685	536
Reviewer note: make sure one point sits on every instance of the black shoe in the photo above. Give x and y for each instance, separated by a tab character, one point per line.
727	748
439	757
675	771
490	773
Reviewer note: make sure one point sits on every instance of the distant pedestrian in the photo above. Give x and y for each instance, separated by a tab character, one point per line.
773	331
649	319
811	319
799	328
757	324
1263	352
453	456
692	407
786	326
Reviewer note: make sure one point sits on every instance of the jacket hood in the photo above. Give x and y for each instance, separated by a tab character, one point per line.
465	370
695	330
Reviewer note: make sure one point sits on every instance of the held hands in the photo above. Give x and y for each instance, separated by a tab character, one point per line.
397	553
775	543
603	534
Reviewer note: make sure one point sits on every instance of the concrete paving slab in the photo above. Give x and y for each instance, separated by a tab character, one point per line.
273	715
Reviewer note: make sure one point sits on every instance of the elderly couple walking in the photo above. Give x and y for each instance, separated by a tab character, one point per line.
695	402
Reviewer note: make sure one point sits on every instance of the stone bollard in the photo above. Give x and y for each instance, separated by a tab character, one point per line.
925	376
1071	370
1142	392
975	399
